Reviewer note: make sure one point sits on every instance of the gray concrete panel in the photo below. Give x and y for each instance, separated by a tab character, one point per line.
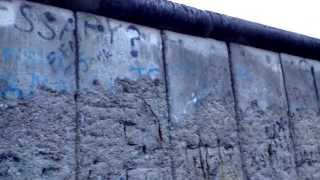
37	84
122	102
267	148
203	124
304	114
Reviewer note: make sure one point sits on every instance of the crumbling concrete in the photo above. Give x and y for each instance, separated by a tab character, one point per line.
104	99
37	84
122	102
203	124
304	114
265	141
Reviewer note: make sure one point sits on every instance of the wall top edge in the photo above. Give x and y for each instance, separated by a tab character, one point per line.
166	15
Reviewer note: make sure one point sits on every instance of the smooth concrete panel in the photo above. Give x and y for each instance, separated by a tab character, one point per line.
203	125
265	139
37	84
304	114
122	102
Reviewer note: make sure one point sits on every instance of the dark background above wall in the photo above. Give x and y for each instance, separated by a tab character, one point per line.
163	14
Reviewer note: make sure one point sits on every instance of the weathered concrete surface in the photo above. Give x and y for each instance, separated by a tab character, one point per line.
122	101
316	74
264	127
203	125
304	110
123	124
37	82
316	70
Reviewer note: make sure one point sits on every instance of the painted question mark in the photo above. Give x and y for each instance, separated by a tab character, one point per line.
135	33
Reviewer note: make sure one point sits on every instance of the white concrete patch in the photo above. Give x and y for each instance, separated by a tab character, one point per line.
7	14
133	34
154	40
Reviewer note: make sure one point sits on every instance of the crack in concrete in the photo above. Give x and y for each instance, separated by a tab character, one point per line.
237	112
166	79
290	116
76	99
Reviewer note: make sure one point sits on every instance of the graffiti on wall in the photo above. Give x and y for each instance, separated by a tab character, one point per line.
112	52
49	66
24	69
47	20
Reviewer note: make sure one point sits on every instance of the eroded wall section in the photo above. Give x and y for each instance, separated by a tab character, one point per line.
89	97
37	84
122	102
203	124
303	99
265	136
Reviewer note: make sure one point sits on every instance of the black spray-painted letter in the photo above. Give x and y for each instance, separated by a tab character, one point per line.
25	9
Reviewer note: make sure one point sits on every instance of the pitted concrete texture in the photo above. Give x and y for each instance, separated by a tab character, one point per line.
122	102
203	125
37	84
304	110
89	101
316	71
266	145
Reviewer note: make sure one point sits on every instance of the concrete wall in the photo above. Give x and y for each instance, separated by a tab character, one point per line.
89	97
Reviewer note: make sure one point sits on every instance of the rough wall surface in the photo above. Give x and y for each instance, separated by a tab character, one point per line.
264	124
37	84
203	125
85	97
304	111
122	102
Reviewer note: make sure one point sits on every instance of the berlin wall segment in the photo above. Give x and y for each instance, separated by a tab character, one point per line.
37	84
125	129
122	101
265	141
203	125
304	113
